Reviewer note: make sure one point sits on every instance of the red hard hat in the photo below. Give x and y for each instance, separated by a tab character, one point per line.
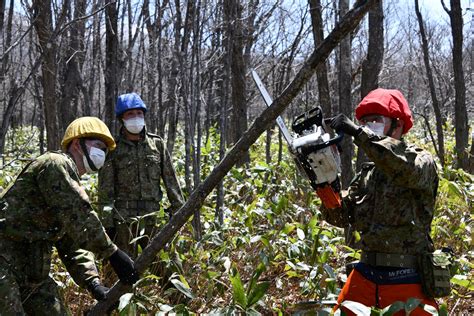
390	103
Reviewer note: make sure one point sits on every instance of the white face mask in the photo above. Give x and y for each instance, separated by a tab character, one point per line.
97	157
377	128
134	125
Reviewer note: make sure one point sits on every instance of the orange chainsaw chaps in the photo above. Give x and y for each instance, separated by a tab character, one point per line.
329	198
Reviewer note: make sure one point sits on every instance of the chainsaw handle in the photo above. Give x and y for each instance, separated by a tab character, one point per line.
305	149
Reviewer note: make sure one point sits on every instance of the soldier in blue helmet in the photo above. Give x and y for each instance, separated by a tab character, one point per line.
130	181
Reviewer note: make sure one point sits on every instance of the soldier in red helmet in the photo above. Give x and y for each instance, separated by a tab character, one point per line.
390	203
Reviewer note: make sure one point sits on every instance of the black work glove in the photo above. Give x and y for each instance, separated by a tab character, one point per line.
342	123
124	267
99	292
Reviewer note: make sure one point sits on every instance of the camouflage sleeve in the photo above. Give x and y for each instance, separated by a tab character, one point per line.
106	192
173	190
79	263
406	166
65	194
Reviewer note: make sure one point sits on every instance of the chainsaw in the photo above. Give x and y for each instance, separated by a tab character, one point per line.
315	152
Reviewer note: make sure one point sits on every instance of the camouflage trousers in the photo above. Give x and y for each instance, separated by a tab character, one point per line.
20	299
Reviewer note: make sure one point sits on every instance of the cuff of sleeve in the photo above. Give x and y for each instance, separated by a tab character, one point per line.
92	283
109	251
365	134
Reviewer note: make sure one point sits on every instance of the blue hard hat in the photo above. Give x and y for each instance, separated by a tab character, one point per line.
129	101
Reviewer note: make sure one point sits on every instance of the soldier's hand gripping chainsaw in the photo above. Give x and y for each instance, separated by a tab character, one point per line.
314	150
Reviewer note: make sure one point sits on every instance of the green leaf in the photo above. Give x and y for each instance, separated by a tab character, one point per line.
255	276
183	288
430	309
300	234
282	204
329	270
165	307
124	301
443	310
463	281
411	304
356	307
212	274
263	167
259	290
288	228
238	292
454	189
255	239
252	312
393	308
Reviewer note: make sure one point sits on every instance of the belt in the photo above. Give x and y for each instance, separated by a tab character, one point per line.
136	204
389	259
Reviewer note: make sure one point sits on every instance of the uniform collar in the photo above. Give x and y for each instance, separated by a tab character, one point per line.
71	161
123	139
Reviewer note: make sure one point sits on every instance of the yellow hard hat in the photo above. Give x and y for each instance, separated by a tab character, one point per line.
89	127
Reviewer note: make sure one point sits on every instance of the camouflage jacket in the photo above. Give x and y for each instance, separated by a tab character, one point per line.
45	207
133	172
391	200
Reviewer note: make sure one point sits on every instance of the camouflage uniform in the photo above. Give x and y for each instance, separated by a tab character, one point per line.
130	180
391	201
46	207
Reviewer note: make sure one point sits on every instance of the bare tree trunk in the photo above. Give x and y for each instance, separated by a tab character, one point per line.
431	84
71	82
8	38
224	88
262	122
471	157
460	111
152	30
345	99
43	23
111	63
235	35
322	71
94	63
372	65
196	127
160	121
171	104
2	15
15	93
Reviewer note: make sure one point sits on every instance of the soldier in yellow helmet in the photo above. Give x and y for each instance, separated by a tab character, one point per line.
45	207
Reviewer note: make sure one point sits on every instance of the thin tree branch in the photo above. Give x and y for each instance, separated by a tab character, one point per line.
428	126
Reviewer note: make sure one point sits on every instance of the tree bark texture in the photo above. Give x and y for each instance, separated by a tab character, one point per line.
235	35
43	23
262	122
322	71
431	85
345	98
111	63
71	82
460	111
372	64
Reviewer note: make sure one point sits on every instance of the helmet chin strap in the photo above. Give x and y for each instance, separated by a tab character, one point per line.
86	153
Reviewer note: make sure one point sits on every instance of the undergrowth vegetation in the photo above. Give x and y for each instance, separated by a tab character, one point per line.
273	254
